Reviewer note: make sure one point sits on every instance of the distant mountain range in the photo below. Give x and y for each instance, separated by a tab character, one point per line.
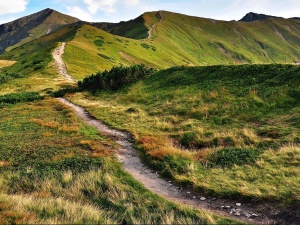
159	39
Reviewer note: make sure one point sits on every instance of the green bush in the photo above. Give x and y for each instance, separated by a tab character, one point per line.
99	43
5	77
188	139
20	97
62	92
114	79
229	157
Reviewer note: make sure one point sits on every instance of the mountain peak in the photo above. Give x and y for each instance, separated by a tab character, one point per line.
251	16
32	26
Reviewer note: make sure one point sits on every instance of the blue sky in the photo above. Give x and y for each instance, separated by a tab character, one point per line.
117	10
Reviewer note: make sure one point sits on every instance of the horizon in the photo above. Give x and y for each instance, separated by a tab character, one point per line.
124	10
146	12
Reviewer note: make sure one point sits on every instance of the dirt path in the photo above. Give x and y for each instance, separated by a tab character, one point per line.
153	26
251	212
62	69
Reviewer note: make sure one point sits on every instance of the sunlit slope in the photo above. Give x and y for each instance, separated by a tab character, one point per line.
177	39
93	49
31	27
34	64
220	42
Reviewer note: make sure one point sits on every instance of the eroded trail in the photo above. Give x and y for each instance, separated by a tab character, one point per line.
62	69
153	26
129	157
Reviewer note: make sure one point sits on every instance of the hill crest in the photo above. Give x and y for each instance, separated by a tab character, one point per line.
25	29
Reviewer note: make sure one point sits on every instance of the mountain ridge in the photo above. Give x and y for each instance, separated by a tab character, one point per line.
31	27
176	39
13	32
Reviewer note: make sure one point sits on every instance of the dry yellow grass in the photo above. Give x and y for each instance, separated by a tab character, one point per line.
5	63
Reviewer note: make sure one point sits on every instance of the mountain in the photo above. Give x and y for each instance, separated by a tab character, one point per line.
160	39
23	30
251	17
135	28
177	39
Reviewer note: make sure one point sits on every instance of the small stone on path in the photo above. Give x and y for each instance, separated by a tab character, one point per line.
247	214
202	198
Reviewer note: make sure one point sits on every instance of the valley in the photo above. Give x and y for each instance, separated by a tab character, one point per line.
209	136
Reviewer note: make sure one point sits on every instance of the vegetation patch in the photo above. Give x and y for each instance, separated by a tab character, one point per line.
114	79
99	42
247	112
14	98
5	77
146	46
50	175
104	56
229	157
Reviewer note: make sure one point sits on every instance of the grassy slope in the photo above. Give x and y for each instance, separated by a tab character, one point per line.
93	49
54	21
34	64
134	29
210	108
177	40
6	63
59	170
184	40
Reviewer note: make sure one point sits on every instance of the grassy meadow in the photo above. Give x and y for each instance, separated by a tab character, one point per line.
231	131
33	68
174	43
54	169
228	130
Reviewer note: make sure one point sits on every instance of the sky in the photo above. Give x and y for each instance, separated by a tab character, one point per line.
123	10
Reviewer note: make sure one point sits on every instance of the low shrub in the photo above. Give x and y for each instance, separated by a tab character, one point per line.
20	97
229	157
114	79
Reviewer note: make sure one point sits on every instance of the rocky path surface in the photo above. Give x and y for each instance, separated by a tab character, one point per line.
153	26
129	157
62	69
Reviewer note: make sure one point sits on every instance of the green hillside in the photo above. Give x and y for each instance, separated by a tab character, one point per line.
183	40
135	29
33	68
29	28
175	39
61	171
206	125
214	107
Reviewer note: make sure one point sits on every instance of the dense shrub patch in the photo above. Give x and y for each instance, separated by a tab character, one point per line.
229	157
5	77
114	79
20	97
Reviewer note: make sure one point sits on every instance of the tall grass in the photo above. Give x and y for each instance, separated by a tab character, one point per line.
182	116
59	170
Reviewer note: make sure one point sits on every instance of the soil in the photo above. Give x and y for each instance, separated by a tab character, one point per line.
62	69
153	26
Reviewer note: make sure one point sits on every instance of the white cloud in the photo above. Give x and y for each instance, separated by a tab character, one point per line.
79	13
14	6
108	6
131	2
104	5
